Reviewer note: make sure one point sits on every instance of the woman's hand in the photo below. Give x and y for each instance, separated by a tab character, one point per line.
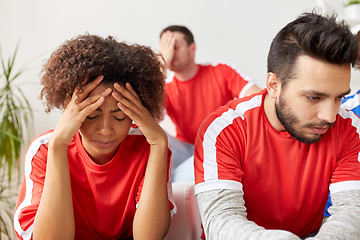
79	107
129	102
56	207
154	194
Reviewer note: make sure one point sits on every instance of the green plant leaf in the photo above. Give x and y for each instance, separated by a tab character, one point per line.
15	112
351	2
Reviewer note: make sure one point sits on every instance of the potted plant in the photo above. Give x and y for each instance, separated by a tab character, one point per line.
352	10
15	115
7	205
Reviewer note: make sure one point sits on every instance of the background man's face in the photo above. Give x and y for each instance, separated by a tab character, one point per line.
183	53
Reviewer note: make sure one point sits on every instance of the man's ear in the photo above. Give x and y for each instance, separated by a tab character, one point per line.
273	85
192	49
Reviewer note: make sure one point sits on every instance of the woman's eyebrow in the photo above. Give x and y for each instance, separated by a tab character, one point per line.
113	111
116	110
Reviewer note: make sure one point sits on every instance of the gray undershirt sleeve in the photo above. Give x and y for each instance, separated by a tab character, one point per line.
344	222
223	215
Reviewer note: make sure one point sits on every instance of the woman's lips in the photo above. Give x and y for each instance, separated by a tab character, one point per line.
103	144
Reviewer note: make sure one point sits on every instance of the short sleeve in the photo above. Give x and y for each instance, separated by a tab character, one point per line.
31	188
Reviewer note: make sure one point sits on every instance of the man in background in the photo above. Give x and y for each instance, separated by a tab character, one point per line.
193	91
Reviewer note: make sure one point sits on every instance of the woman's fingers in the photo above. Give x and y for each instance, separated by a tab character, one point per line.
132	91
80	106
79	97
129	102
128	93
91	100
91	106
128	107
78	111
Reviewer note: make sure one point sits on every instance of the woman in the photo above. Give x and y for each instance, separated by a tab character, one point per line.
103	172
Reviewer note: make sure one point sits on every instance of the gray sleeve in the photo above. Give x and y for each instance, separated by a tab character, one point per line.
344	222
223	216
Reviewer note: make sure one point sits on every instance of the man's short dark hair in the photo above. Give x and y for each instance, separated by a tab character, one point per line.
314	35
189	38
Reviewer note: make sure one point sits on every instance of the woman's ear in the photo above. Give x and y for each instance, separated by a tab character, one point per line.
273	85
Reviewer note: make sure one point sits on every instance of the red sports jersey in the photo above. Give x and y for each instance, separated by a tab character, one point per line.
189	102
104	196
285	182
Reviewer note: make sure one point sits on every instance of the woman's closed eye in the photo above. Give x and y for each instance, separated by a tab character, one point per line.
92	117
119	119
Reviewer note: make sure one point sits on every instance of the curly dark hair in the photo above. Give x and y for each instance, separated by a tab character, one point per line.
88	56
317	36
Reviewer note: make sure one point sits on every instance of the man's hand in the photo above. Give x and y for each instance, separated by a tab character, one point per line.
167	46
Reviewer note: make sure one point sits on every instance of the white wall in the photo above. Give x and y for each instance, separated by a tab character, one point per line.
235	31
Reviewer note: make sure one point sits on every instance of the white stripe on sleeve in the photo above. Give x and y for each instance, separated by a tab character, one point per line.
215	128
33	149
344	186
355	121
218	184
347	185
352	102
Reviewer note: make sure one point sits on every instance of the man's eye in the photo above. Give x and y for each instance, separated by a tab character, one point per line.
312	98
88	117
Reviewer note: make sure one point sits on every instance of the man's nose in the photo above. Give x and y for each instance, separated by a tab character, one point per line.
328	112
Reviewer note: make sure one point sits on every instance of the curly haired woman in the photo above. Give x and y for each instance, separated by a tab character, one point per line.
103	172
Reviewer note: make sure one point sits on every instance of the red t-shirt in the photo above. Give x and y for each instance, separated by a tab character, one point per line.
285	182
104	196
189	102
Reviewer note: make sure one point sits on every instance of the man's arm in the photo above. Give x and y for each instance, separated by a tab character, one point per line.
238	84
344	222
253	89
223	215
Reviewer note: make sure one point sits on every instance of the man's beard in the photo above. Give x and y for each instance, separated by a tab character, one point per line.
288	120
